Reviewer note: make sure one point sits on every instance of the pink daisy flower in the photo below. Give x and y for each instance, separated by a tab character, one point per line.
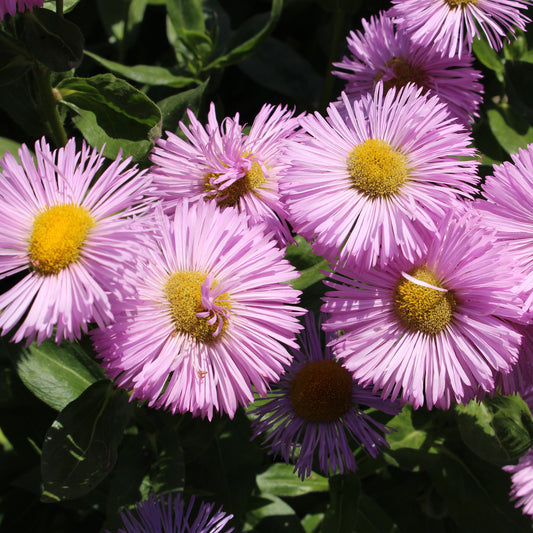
507	208
383	52
452	25
160	514
369	187
435	329
317	407
211	318
13	6
222	164
66	232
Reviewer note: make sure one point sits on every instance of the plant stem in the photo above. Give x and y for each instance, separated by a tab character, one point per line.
59	7
48	106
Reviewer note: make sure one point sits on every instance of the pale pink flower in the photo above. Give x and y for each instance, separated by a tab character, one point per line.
452	25
212	317
385	53
66	236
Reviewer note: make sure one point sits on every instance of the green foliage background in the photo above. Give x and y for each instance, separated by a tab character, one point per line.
73	449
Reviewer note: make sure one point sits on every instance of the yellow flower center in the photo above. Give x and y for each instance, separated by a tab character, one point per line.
57	237
420	307
404	73
230	196
183	292
377	169
460	3
321	391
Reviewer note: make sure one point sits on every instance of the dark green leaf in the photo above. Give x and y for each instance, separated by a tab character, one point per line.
80	448
56	374
273	514
280	480
53	40
68	5
122	18
146	74
517	82
511	131
371	518
280	68
13	65
250	36
342	512
174	108
111	111
167	472
475	493
499	430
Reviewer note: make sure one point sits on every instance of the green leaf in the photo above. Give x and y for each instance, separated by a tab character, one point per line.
80	448
517	83
499	430
486	54
280	68
371	518
13	65
271	513
248	44
186	16
146	74
475	493
167	471
342	512
8	145
68	5
510	130
280	480
122	18
113	112
57	374
187	20
174	108
53	40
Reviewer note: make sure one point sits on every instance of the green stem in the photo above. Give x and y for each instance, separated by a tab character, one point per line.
59	7
48	106
337	36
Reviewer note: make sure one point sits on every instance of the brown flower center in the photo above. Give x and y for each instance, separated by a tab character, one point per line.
321	391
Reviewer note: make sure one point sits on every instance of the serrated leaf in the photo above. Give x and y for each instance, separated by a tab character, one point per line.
53	40
280	480
80	448
146	74
57	375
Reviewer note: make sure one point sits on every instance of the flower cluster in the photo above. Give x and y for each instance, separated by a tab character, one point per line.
179	272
